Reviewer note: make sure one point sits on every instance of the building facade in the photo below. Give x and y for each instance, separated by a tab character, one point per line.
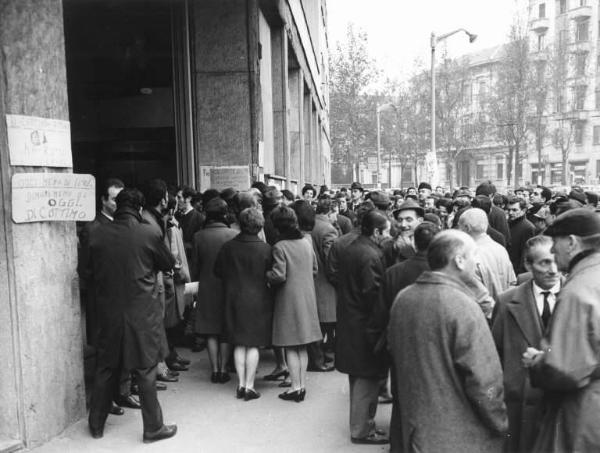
208	93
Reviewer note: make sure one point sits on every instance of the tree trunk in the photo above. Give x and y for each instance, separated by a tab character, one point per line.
565	164
509	166
538	144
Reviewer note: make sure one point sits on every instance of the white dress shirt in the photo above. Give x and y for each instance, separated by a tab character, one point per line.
539	297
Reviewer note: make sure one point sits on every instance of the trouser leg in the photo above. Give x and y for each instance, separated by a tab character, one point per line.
102	395
124	383
363	405
395	425
151	410
315	354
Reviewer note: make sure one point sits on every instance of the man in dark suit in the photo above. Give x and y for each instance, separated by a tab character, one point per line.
522	315
521	230
125	256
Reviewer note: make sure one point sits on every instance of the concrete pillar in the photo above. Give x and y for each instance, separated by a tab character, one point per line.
279	61
224	71
41	372
296	82
308	134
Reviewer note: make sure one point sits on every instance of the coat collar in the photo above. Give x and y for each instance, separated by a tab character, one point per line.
215	225
582	260
524	311
440	278
244	237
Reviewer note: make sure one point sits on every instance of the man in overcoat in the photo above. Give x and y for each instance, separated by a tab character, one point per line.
125	256
568	369
449	379
521	317
323	235
361	268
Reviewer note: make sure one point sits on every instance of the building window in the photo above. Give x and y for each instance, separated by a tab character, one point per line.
479	171
598	169
579	97
541	40
596	135
562	6
499	170
542	10
582	32
578	132
597	98
580	61
482	92
519	170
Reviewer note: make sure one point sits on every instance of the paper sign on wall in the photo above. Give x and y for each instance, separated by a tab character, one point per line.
221	178
53	197
39	142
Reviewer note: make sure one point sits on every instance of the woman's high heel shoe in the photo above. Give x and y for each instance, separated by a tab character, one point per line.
296	396
240	393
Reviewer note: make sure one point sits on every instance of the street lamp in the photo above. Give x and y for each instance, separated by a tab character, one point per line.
431	160
382	108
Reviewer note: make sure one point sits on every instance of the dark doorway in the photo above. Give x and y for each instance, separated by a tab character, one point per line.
120	76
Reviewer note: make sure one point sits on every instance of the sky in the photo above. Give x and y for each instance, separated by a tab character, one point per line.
399	30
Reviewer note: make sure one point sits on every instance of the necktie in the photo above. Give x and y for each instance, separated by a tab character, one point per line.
546	311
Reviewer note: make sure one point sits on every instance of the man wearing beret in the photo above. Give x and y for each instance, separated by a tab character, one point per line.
568	366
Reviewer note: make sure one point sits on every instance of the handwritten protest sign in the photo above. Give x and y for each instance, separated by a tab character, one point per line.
39	142
53	197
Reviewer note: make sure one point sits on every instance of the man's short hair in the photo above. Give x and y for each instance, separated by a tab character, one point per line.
305	214
324	205
364	208
515	200
103	188
251	221
288	195
445	247
373	220
130	198
534	242
154	191
187	192
424	234
546	193
485	188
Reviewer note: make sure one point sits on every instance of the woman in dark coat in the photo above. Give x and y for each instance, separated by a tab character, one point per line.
241	265
295	317
210	311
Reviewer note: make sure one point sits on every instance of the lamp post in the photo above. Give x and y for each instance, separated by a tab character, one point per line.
382	108
432	158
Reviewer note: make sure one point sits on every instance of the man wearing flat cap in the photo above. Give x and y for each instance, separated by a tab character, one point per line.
408	216
568	366
424	192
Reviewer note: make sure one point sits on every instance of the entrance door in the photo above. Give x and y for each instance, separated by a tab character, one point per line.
123	101
464	173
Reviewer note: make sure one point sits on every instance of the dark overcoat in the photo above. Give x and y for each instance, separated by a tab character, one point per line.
126	256
449	378
521	230
210	310
295	316
323	234
570	369
241	265
517	326
361	268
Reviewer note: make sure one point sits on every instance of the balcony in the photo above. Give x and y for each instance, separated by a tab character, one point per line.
581	13
580	46
540	24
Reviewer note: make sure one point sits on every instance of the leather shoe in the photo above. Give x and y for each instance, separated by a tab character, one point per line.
128	401
251	394
97	433
224	377
161	386
116	410
176	366
170	372
371	439
320	368
164	377
182	360
163	433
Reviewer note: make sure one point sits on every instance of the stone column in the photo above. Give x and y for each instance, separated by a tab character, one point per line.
41	372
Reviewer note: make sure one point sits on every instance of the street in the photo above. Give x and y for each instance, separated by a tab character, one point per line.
210	419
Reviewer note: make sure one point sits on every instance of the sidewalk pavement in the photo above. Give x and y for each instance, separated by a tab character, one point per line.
210	418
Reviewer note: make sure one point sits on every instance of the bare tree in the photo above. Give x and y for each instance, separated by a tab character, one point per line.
352	110
513	97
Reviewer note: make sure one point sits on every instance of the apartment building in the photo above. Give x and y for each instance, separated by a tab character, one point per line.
564	38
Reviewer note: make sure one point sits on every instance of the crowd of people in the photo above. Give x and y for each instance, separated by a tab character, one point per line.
480	310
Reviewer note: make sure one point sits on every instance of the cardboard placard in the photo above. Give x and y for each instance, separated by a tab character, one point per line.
221	178
39	142
53	197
